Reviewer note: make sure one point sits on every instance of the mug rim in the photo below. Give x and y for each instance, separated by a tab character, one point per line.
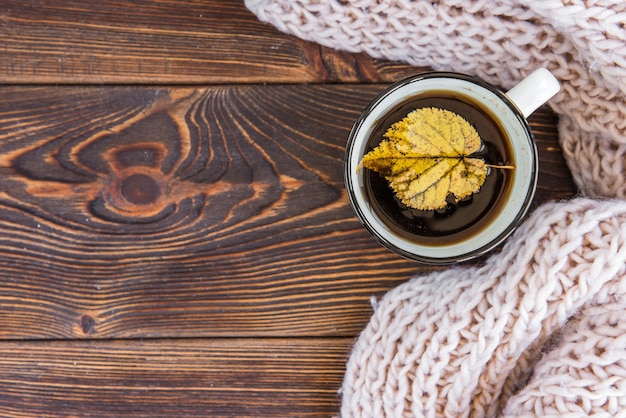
500	236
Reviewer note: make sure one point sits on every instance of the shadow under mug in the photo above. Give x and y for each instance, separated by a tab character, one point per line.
466	229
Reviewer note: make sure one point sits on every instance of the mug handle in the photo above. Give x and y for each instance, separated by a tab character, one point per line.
534	91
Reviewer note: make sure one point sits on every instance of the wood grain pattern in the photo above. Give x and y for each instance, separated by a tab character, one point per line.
171	42
167	378
154	212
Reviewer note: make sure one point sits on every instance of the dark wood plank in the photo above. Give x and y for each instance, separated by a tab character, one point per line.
143	212
171	42
166	378
555	180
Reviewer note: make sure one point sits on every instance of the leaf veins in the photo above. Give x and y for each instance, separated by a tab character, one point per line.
426	158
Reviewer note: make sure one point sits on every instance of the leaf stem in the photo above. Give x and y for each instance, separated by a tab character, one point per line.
506	167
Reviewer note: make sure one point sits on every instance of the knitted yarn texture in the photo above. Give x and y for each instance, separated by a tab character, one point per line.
539	329
583	43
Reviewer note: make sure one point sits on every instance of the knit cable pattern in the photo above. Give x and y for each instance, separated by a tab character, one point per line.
464	341
582	42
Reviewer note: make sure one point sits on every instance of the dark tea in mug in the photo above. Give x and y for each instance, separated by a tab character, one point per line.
469	227
457	220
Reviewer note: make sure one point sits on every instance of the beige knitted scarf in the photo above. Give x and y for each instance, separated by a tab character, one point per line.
540	328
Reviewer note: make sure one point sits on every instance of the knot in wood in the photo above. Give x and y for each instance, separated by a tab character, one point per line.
133	194
87	324
140	189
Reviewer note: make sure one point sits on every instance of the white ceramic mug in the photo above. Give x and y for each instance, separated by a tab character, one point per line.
508	110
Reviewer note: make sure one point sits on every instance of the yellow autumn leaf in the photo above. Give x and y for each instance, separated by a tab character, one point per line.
426	158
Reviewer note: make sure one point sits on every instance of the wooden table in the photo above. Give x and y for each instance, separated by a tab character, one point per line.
175	237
